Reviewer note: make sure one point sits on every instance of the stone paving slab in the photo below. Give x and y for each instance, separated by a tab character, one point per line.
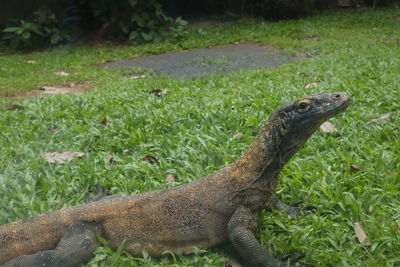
208	61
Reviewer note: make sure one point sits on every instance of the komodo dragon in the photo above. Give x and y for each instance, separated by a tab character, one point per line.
205	213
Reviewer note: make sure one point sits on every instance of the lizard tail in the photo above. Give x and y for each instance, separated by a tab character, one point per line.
42	232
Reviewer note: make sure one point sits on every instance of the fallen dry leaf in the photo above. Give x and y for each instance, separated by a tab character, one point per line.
61	73
311	85
360	234
355	168
70	84
12	107
170	178
53	129
104	121
62	157
137	76
158	91
382	119
150	159
110	157
329	128
31	61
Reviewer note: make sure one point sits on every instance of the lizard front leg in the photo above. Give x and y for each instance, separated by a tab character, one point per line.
241	229
75	248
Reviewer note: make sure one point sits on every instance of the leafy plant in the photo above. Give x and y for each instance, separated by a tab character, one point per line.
44	30
138	21
178	28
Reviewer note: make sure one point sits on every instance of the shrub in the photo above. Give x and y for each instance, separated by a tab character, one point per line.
44	30
135	20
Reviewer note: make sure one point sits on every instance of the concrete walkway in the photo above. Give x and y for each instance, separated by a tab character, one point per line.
208	61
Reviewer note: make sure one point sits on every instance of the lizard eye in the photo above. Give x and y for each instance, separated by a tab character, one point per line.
303	106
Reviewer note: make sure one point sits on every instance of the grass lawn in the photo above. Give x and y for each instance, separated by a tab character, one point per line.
192	131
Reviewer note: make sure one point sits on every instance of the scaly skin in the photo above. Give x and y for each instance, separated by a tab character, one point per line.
205	213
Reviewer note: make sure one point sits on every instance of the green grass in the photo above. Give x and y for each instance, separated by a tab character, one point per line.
191	132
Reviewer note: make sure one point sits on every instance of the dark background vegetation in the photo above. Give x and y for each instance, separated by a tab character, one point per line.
42	24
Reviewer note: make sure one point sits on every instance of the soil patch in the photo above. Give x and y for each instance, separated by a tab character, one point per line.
55	89
208	61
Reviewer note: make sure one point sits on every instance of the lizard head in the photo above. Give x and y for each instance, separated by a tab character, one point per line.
301	118
310	112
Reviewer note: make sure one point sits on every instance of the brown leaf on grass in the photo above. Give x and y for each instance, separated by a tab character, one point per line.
70	84
104	121
382	119
329	128
61	73
232	263
360	234
170	178
31	61
62	157
158	91
12	107
150	159
53	129
355	168
110	158
137	76
311	85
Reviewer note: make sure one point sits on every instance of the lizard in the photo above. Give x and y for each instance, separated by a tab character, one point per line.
222	206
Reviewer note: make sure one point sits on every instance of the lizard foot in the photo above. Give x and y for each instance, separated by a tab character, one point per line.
296	260
295	209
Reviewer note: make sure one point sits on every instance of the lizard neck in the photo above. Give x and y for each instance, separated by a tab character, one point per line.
272	148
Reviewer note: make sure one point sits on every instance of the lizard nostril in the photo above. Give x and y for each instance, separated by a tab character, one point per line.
337	96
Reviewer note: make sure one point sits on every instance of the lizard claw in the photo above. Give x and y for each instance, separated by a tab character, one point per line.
294	210
295	261
309	208
292	259
306	264
298	203
306	208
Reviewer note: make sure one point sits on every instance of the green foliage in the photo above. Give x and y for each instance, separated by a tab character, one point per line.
43	30
284	9
138	21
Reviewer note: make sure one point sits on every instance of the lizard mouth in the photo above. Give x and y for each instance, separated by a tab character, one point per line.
340	101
